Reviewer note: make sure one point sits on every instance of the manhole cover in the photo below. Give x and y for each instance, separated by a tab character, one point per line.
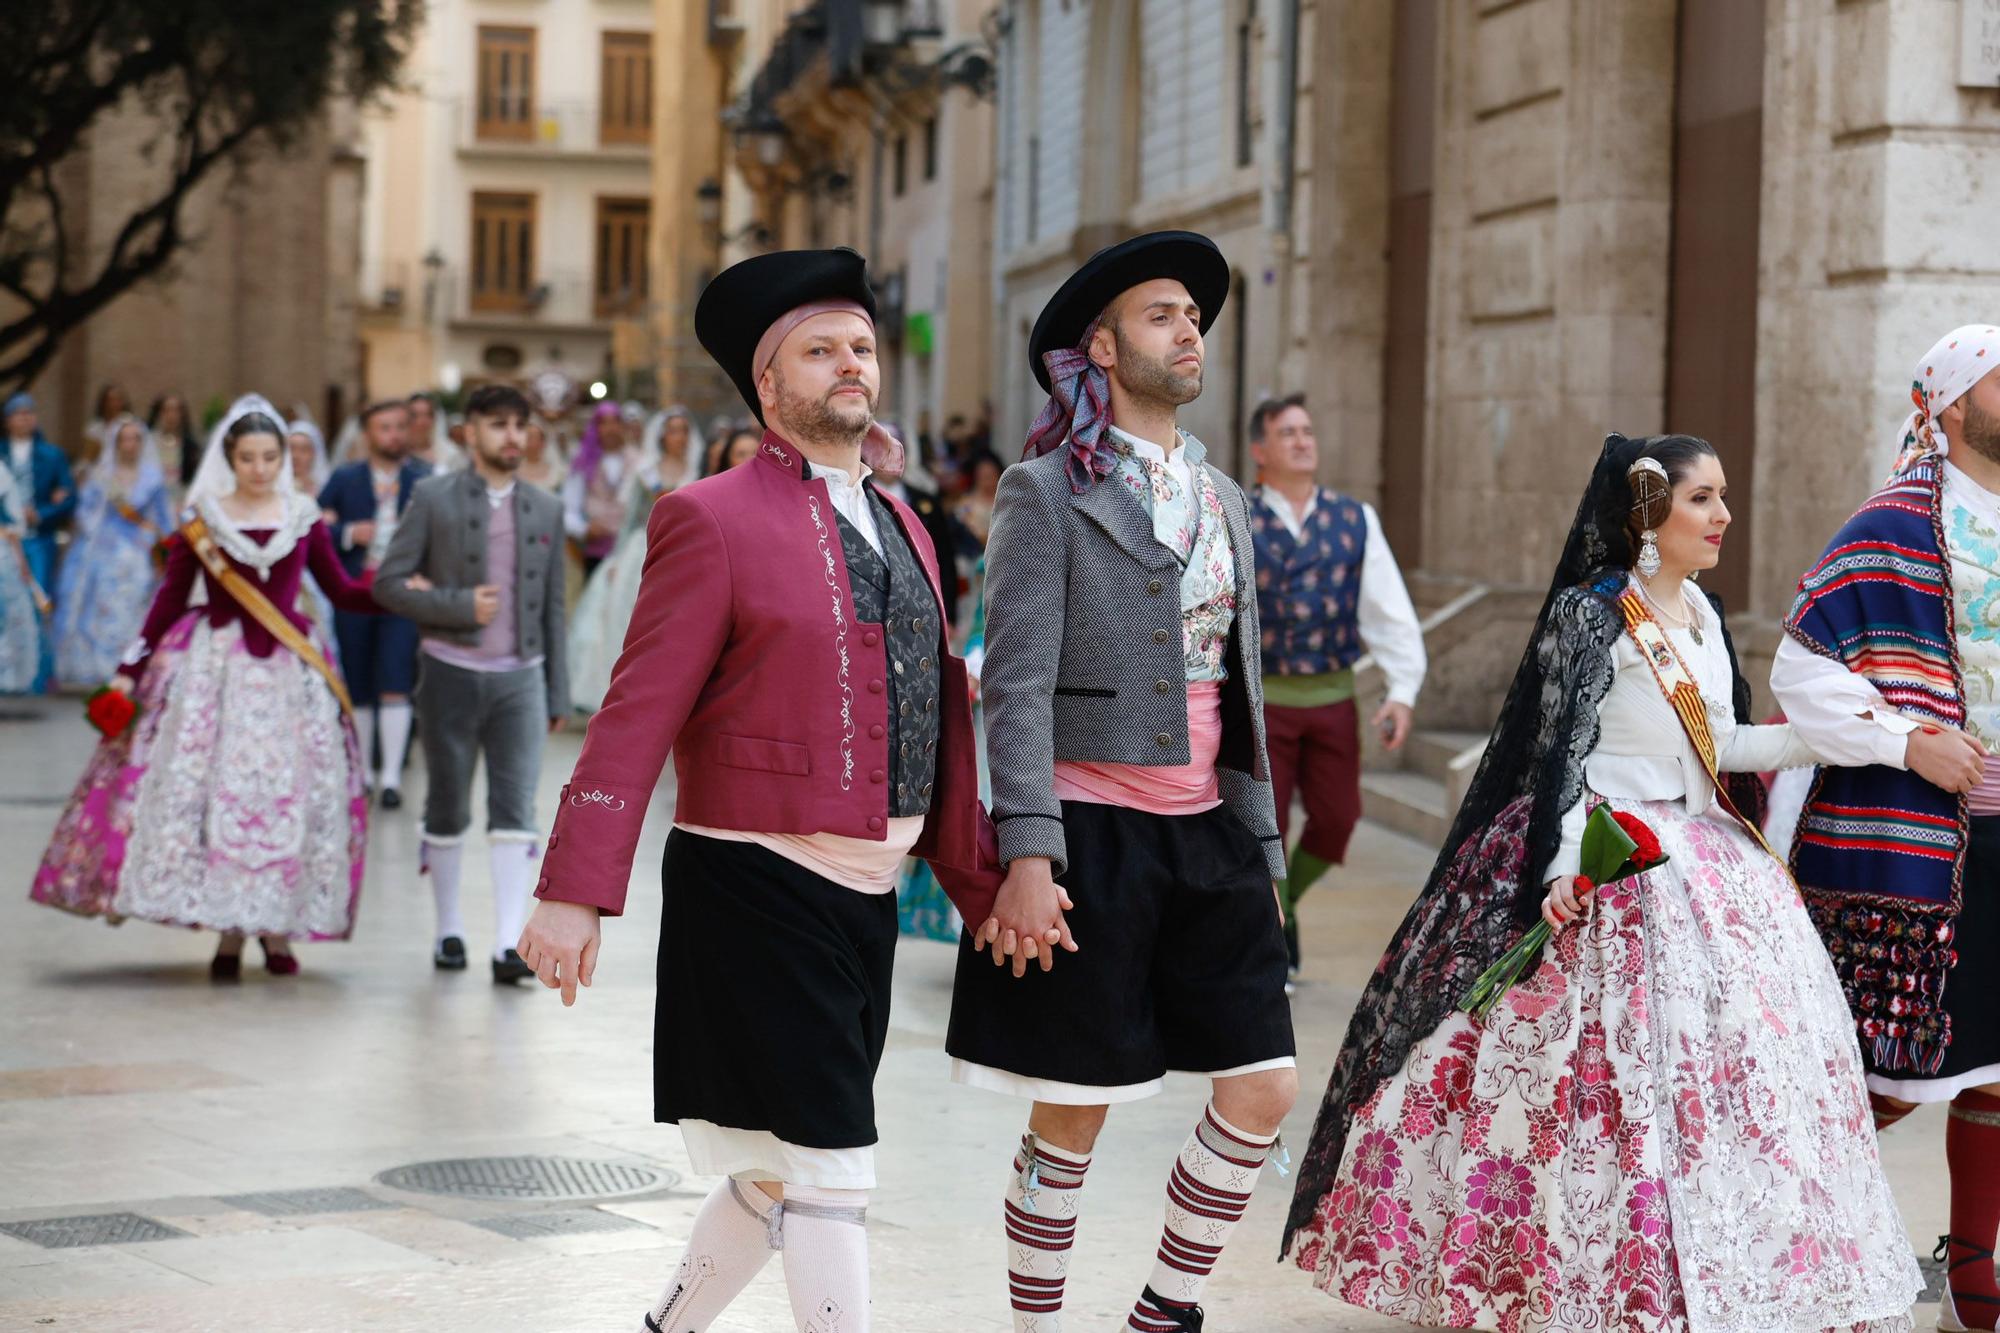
527	1178
65	1233
298	1203
561	1222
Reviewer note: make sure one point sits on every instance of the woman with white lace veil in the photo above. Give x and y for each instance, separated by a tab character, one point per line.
108	578
234	799
306	443
669	454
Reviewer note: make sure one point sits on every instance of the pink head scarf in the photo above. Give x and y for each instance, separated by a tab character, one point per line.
880	450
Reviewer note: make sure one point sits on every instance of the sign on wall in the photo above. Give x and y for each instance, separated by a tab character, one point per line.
1979	43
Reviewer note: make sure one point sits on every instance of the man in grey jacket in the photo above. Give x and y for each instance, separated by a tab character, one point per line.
476	562
1131	791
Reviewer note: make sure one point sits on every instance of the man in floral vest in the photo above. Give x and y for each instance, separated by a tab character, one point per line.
1328	590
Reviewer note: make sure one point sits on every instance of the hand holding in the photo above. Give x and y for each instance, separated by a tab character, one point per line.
122	683
362	533
1027	922
560	943
1566	899
485	603
1945	757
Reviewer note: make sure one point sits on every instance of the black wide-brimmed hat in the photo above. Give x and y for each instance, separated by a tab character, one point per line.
745	299
1186	255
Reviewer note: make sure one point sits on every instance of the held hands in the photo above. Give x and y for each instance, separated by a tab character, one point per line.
1392	723
1027	921
485	603
1945	758
418	583
1567	897
560	943
121	683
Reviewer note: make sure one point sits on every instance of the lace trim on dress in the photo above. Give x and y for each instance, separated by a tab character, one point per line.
300	514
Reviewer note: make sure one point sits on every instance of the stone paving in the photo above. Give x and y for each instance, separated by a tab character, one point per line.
216	1157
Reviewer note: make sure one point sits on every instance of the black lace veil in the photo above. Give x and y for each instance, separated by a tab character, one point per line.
1482	890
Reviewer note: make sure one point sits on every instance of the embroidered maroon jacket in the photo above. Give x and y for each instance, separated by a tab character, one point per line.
743	658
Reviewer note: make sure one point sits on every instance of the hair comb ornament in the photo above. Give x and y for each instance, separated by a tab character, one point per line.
1649	482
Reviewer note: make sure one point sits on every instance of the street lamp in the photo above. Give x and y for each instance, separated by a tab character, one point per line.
433	274
708	202
881	22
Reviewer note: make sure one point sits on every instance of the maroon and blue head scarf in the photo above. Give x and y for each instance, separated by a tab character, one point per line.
1078	414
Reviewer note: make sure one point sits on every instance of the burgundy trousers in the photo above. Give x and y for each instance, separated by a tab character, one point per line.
1317	753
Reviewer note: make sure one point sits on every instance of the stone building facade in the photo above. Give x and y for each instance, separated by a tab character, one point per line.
840	122
262	298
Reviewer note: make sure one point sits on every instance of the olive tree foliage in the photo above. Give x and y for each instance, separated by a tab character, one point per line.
217	81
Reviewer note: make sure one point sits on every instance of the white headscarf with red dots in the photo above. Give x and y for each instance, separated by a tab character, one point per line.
1962	358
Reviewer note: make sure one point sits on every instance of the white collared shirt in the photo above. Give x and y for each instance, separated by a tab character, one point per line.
1176	459
850	497
1387	618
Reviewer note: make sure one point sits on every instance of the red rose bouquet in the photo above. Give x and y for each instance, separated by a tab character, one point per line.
110	711
1615	846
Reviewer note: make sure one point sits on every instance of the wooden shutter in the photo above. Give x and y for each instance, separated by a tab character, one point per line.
503	251
622	278
625	115
506	107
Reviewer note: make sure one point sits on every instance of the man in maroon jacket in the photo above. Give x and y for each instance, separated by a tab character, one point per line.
789	648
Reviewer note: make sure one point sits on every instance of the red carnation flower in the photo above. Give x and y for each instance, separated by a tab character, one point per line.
1646	849
110	711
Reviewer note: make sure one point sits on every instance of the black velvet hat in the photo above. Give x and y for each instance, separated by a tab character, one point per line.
1186	255
745	299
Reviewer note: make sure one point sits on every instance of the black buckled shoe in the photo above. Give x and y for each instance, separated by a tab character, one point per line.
508	970
449	955
1187	1318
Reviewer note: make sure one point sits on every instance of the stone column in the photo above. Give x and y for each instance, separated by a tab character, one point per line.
1550	261
1880	199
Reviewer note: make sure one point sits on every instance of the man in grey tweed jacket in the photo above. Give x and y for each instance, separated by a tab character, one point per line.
1131	793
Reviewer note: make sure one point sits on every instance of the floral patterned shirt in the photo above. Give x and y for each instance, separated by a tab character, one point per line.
1188	520
1972	540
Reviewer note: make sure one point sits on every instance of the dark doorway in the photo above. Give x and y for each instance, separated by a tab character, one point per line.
1712	292
1406	335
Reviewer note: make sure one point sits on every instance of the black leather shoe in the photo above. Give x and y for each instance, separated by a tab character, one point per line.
508	970
450	954
390	799
225	968
1187	1318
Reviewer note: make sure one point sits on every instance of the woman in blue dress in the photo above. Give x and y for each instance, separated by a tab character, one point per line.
110	575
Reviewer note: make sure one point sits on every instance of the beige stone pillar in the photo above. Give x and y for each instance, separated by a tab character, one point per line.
1881	232
1550	250
1344	144
687	149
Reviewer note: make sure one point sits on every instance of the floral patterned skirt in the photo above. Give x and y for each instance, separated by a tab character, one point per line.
1663	1128
234	801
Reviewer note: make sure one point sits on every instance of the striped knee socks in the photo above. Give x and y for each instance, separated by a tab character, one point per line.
1206	1195
1041	1226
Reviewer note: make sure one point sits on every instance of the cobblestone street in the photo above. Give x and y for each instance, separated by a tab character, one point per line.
246	1132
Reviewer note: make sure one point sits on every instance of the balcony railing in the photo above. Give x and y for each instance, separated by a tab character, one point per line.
552	297
497	126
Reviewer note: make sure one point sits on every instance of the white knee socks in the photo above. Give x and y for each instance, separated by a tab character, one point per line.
826	1259
392	734
513	877
731	1243
444	862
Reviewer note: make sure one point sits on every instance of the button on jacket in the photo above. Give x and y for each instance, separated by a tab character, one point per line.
1084	659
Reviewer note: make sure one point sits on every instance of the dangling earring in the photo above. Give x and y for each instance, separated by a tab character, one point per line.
1649	553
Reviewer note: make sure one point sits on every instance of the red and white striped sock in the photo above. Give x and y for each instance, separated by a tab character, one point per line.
1210	1187
1041	1226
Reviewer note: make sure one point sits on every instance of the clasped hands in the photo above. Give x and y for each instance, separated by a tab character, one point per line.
1027	924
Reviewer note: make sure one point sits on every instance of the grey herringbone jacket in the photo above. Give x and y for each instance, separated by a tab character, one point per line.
1084	658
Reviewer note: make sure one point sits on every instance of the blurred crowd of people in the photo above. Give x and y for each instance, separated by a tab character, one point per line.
84	519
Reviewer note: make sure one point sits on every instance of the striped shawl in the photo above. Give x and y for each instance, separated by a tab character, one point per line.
1879	850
